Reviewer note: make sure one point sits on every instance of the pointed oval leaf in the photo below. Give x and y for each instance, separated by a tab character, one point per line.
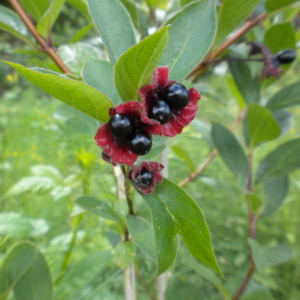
262	126
191	35
114	25
34	8
135	68
280	162
274	5
74	93
125	253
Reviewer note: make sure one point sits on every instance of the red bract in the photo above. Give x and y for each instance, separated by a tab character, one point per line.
116	148
179	118
154	168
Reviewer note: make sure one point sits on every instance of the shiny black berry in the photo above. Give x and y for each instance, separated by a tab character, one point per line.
144	178
286	56
275	62
139	142
176	95
160	111
120	125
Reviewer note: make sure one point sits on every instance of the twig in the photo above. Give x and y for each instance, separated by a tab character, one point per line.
213	154
128	192
45	47
235	59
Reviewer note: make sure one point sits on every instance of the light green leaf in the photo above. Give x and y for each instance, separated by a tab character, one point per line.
74	93
183	155
35	8
262	126
48	19
132	10
173	211
25	270
231	15
276	190
81	33
114	25
142	235
135	68
80	5
280	162
248	85
191	35
231	151
100	75
269	257
125	253
97	207
11	22
287	97
157	3
254	201
274	5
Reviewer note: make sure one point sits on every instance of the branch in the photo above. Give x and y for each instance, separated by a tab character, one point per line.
45	47
213	154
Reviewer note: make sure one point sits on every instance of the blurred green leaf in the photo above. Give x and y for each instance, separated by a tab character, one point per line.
125	253
74	93
132	9
248	85
185	2
205	131
269	257
114	25
286	97
157	3
183	155
280	162
100	75
262	126
135	68
231	151
34	8
274	5
48	19
81	33
231	15
173	211
25	270
11	22
192	32
254	201
80	5
97	207
284	119
276	190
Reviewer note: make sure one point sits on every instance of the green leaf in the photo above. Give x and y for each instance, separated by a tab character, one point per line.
284	119
74	93
114	25
248	86
81	33
274	5
35	8
205	131
254	201
269	257
80	6
183	155
25	270
132	10
231	151
100	75
262	126
280	162
191	35
185	2
125	253
135	68
97	207
276	190
231	15
173	211
11	22
46	22
287	97
157	3
142	235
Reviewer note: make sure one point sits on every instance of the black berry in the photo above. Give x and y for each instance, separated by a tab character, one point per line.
160	111
275	62
139	142
120	125
176	95
144	178
286	56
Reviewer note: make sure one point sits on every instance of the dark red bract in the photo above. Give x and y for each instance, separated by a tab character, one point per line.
179	118
154	168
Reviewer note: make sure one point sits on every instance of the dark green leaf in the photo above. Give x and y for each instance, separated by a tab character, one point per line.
274	5
183	155
254	201
248	86
276	190
125	253
185	2
97	207
284	119
262	126
114	25
287	97
35	8
173	211
135	68
100	75
196	26
280	162
231	151
74	93
269	257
